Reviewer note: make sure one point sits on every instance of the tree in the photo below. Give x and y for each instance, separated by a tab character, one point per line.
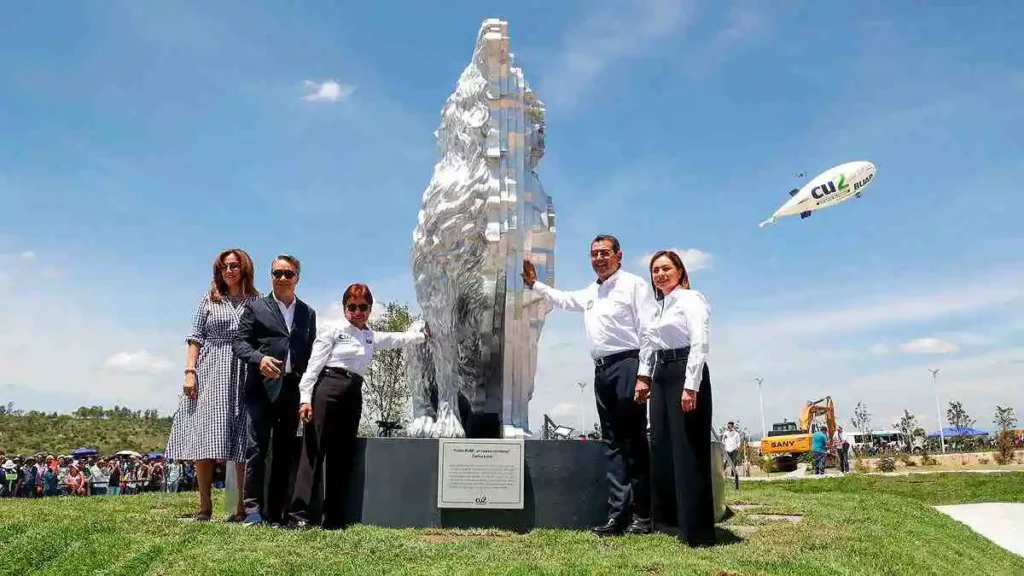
908	424
1006	421
958	417
861	418
386	392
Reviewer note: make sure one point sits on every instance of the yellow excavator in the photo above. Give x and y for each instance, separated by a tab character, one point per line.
788	441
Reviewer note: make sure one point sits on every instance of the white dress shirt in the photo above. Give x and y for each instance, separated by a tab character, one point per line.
731	440
289	319
339	344
681	319
612	311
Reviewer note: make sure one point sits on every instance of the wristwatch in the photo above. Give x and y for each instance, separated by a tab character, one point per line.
190	371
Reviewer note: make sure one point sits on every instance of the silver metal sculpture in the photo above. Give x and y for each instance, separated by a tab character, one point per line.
482	214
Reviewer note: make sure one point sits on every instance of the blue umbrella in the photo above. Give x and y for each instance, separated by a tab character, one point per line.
958	431
84	452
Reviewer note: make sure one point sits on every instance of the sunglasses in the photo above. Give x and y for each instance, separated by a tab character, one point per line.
232	266
289	274
360	307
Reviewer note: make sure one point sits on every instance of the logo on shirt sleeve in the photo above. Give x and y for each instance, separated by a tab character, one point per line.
590	304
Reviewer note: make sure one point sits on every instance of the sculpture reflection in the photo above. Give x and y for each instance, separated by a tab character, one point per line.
483	212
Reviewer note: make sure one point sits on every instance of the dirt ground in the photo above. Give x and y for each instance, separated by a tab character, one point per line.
944	463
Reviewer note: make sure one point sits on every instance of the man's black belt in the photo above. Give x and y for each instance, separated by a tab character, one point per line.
343	372
673	355
613	358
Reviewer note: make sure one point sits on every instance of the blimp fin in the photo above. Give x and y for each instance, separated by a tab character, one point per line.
805	214
857	194
793	192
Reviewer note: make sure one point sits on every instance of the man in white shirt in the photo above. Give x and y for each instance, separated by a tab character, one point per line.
731	442
612	307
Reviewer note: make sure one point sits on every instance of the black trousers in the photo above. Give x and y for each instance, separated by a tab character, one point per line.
682	493
624	429
844	460
331	438
272	428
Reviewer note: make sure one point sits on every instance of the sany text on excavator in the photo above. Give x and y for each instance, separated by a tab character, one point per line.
788	441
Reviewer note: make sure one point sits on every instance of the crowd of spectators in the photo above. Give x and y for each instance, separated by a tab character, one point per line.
38	475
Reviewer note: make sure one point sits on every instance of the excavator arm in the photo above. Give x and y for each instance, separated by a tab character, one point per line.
823	406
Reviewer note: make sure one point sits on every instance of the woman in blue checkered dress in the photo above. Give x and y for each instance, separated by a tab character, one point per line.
211	421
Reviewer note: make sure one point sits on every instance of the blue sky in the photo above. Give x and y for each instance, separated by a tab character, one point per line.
139	139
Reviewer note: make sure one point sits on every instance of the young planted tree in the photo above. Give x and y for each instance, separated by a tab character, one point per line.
1005	421
861	419
958	417
385	391
908	426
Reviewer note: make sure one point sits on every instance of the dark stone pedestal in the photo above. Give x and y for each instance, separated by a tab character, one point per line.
394	484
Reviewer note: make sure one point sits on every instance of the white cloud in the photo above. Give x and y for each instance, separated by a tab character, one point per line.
27	255
692	258
928	346
327	91
563	410
602	38
138	361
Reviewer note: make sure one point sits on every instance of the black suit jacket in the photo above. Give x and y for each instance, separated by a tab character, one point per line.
263	332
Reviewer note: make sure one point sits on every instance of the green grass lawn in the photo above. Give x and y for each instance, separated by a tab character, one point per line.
851	525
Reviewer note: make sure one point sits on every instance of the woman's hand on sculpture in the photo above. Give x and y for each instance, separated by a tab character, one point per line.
689	400
426	330
306	413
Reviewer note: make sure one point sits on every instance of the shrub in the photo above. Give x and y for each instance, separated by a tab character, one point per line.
927	459
982	460
1004	453
905	459
859	465
887	464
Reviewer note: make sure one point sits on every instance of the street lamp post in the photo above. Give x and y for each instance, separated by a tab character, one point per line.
938	410
764	430
583	418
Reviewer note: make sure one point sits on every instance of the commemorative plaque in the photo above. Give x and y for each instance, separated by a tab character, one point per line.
480	473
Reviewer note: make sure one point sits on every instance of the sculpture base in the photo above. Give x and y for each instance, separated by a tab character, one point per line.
393	484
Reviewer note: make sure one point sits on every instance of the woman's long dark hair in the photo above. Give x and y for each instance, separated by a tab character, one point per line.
684	277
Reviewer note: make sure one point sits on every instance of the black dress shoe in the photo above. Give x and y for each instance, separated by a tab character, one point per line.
609	528
639	526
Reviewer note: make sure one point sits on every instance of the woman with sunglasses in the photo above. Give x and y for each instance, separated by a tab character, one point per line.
210	424
331	401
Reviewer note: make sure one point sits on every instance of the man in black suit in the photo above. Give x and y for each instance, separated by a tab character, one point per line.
275	337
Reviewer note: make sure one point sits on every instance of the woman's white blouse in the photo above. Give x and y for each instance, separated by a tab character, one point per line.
681	319
339	344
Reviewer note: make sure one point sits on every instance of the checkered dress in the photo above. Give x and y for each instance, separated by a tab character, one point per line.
213	425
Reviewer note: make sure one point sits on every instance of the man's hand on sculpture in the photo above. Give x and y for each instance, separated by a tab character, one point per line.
306	413
529	273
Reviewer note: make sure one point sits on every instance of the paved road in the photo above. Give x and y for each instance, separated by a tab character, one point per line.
999	522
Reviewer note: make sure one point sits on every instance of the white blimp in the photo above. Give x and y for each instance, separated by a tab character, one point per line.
829	188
